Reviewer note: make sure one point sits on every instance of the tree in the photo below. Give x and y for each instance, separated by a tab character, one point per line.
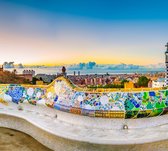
143	81
34	80
123	81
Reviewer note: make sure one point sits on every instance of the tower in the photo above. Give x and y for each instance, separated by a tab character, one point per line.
166	62
64	71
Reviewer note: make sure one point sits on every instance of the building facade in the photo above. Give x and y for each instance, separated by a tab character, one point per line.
166	62
160	82
1	69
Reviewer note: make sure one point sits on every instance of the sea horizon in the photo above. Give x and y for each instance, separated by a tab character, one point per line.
55	70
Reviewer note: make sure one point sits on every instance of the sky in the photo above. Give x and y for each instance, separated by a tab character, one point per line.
57	32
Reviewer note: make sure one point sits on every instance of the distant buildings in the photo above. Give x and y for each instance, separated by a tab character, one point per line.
32	72
150	84
27	74
129	85
7	77
160	82
98	80
1	69
94	79
45	78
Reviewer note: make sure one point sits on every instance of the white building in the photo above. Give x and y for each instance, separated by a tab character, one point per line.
160	82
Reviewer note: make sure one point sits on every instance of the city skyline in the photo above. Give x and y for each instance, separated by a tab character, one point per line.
64	32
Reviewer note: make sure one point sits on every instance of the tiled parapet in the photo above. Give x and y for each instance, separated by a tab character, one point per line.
64	96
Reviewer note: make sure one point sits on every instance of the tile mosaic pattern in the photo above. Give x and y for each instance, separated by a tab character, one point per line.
62	96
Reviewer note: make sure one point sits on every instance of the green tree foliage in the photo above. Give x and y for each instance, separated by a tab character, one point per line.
123	81
143	81
107	86
34	80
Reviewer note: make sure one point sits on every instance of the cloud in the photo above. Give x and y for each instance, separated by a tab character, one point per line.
122	66
8	64
82	66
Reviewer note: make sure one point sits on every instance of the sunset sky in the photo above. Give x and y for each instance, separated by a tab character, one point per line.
57	32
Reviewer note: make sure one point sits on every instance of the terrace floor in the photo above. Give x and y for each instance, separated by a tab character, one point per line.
18	141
